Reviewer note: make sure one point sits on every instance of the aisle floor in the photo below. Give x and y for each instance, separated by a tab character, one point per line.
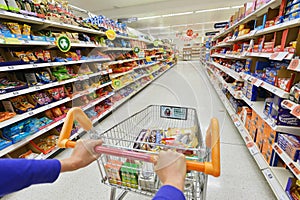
184	85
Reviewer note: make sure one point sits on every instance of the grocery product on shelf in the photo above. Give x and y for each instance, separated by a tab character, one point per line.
262	52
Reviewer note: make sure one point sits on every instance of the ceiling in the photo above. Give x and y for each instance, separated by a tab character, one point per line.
160	25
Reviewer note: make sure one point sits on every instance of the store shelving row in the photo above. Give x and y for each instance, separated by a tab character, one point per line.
258	106
276	177
51	24
49	106
127	60
114	107
115	75
255	81
292	165
53	84
50	64
46	129
228	71
55	124
262	10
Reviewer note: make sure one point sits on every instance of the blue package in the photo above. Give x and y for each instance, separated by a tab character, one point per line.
4	143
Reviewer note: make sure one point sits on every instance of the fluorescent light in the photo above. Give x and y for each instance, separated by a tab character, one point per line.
212	10
177	14
150	28
235	7
179	25
150	17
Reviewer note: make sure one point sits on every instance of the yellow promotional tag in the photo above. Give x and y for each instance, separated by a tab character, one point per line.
111	34
63	43
148	59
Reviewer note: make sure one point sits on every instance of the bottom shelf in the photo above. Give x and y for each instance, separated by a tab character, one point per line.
276	176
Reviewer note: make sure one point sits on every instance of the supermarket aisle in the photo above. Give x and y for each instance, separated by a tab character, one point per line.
184	85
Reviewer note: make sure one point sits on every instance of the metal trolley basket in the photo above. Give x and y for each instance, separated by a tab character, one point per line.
131	147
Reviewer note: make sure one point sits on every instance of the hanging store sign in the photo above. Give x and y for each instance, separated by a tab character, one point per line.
212	33
221	25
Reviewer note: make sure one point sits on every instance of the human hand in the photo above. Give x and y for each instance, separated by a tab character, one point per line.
171	168
82	155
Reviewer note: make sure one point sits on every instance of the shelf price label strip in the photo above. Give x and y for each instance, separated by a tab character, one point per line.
294	167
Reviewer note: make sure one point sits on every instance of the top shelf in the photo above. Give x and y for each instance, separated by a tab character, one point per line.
253	15
47	23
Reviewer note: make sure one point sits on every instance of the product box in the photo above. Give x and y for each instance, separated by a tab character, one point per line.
291	145
260	133
248	123
292	188
282	116
267	151
129	175
113	168
245	113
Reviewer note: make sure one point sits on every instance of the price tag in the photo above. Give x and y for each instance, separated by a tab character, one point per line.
84	77
37	87
26	41
253	150
50	64
16	93
287	104
278	56
31	113
34	65
10	67
294	168
294	65
296	111
253	32
49	106
277	149
25	16
256	82
47	129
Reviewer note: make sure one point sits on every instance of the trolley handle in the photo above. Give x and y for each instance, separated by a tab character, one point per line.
212	141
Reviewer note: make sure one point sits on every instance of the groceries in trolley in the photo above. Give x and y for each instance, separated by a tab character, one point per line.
152	140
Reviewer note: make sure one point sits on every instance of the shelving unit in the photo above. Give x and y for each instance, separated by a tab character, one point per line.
274	176
231	46
103	63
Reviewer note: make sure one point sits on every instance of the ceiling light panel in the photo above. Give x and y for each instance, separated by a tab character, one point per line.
149	17
178	14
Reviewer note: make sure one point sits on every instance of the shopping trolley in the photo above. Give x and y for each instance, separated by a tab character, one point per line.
130	148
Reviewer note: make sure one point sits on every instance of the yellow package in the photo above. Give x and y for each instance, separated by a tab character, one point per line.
14	28
31	56
22	56
26	29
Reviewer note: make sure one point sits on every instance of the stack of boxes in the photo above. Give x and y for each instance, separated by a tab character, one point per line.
262	134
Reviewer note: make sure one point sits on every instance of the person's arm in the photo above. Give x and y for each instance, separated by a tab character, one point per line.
17	174
168	192
171	170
